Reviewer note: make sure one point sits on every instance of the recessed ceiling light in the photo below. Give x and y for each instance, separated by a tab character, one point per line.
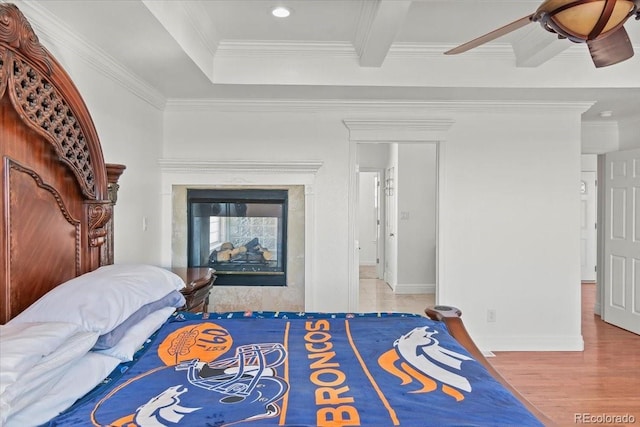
280	12
605	114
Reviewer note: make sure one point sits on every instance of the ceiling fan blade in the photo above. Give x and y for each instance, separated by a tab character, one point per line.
615	47
491	36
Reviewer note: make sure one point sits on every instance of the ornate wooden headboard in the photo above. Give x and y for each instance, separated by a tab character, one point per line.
56	206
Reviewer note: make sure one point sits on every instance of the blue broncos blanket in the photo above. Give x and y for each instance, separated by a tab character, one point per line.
300	369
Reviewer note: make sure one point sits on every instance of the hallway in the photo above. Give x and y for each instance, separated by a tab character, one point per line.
376	295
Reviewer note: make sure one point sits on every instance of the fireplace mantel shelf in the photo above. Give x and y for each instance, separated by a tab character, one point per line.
214	166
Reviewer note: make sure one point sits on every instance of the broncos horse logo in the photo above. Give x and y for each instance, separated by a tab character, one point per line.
418	356
159	411
163	407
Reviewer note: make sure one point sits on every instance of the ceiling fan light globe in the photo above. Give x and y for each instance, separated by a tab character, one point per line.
577	20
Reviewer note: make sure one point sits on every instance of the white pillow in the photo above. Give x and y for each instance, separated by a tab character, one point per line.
76	381
137	335
40	378
102	299
173	299
23	345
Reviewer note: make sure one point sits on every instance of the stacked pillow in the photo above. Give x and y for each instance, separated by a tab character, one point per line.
30	365
103	299
111	310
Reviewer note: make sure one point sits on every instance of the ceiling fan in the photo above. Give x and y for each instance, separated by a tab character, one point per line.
598	23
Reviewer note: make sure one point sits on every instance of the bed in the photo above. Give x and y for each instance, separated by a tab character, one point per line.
89	342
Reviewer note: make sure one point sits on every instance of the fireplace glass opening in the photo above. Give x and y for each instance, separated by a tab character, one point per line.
241	233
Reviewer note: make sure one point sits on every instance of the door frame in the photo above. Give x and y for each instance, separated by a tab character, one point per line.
590	188
390	232
427	131
600	215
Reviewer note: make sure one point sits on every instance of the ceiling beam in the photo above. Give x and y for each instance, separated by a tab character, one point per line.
187	22
380	21
537	46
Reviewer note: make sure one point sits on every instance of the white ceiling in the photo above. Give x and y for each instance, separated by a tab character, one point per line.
387	50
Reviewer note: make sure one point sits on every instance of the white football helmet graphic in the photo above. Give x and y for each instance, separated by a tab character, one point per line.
251	372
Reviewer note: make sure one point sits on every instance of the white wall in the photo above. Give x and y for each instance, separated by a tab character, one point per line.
604	137
373	156
589	163
629	130
511	233
599	137
416	195
367	218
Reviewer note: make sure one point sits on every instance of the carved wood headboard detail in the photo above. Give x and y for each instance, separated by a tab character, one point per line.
57	196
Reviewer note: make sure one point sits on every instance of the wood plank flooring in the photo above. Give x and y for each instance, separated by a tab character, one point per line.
602	380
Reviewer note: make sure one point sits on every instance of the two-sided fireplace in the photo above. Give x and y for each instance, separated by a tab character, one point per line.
241	233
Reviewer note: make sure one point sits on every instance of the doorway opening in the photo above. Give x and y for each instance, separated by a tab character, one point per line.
397	226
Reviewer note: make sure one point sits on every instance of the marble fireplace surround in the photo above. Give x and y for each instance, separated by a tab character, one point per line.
297	177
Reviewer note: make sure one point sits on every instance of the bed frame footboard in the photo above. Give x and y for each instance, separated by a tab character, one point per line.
452	318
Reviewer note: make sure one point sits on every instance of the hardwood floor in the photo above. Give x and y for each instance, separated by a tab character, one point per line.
602	380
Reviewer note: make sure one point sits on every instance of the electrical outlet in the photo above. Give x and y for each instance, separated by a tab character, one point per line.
491	315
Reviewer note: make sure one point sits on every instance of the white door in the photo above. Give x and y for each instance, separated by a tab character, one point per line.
622	240
368	218
390	227
588	226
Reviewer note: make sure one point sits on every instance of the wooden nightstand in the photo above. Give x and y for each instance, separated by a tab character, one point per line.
199	282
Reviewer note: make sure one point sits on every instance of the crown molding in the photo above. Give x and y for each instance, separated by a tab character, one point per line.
401	130
229	49
261	49
355	107
55	33
244	48
434	50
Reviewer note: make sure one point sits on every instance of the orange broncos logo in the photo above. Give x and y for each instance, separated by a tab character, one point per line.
417	356
203	341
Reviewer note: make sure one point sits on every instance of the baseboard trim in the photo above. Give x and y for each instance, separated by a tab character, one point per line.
529	343
597	309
